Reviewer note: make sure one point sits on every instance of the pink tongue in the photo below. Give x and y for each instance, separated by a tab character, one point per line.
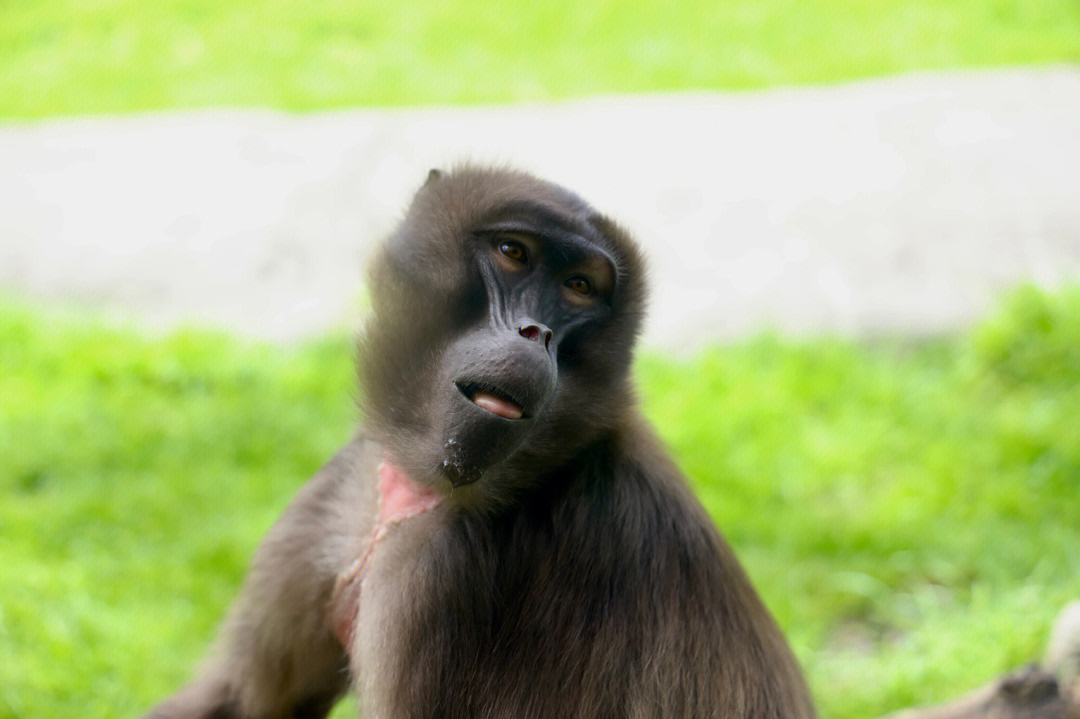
400	496
496	405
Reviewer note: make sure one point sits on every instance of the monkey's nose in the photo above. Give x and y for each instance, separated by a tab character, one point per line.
535	331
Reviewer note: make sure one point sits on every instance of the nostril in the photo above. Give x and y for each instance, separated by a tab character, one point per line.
535	332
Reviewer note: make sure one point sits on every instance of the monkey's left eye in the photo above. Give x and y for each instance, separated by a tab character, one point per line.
515	251
580	285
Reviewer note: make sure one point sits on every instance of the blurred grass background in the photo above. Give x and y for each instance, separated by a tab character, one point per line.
62	57
907	509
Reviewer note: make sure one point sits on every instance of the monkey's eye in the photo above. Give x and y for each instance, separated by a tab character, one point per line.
514	250
580	285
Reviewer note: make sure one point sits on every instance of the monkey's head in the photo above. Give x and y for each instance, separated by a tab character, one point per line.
504	313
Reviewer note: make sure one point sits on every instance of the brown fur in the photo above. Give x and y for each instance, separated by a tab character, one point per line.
1030	693
578	577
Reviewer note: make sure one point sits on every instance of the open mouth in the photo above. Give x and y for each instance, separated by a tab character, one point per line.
493	401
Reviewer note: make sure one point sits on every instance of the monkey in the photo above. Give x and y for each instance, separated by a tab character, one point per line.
505	536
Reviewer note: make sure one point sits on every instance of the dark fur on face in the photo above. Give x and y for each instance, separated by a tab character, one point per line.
559	566
432	313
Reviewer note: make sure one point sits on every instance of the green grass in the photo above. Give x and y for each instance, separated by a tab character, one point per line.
908	511
63	57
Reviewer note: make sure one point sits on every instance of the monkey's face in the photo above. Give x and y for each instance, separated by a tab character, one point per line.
501	376
505	310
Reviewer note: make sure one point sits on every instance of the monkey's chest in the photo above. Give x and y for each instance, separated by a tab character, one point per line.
481	636
400	500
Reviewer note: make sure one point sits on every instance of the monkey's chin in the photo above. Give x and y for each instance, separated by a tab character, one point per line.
457	469
475	441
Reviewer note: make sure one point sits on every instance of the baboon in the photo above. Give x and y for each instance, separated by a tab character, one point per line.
505	536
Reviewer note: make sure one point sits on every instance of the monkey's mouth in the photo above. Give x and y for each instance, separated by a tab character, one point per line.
492	400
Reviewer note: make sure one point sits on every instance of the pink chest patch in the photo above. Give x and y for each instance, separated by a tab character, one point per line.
399	499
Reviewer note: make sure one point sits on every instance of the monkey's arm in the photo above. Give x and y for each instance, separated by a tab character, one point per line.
275	655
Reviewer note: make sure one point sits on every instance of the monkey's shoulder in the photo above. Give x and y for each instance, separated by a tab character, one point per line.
621	514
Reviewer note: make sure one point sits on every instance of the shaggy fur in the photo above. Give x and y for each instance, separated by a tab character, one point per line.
569	573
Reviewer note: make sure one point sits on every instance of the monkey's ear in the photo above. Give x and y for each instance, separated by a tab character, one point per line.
432	176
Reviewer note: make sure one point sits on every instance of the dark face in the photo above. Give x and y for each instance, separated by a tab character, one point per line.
505	310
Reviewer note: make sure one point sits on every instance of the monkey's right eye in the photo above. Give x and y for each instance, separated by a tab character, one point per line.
515	251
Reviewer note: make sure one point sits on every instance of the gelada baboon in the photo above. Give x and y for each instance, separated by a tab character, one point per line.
505	537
